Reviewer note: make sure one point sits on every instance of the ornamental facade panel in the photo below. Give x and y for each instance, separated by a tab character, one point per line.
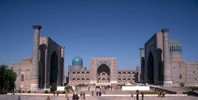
103	71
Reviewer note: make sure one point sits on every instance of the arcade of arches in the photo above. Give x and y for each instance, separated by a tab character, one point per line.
103	71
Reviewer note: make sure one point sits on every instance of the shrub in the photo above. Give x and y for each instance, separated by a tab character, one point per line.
53	88
182	84
45	91
193	87
68	88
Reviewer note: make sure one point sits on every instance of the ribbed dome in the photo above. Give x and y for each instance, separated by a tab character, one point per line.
175	45
27	59
77	61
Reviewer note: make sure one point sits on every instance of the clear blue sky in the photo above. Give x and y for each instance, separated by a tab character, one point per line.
102	28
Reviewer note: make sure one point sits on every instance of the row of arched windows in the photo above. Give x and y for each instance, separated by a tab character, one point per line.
119	79
80	72
124	76
103	78
80	79
126	72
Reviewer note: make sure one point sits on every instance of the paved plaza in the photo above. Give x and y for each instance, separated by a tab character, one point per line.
44	97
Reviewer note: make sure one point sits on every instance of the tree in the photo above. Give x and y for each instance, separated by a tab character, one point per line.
7	79
53	88
68	88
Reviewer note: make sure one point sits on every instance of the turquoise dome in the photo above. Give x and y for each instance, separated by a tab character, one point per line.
77	61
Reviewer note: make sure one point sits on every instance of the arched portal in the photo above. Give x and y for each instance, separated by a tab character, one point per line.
150	69
53	68
103	74
42	65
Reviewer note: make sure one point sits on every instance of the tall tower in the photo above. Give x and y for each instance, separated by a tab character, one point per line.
62	64
166	58
142	62
35	58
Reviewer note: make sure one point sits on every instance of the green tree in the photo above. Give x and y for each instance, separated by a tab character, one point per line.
53	88
7	79
68	88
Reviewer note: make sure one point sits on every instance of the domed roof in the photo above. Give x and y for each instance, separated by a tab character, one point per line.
77	61
27	59
175	45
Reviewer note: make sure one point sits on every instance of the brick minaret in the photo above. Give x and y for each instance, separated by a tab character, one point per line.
142	75
62	64
166	58
35	58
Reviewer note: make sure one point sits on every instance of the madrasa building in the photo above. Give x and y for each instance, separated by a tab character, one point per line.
103	72
44	68
162	62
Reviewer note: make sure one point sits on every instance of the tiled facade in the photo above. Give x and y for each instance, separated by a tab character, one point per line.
22	70
175	71
192	73
45	68
103	71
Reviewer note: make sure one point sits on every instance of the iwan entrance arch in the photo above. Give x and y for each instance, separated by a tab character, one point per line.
103	71
103	74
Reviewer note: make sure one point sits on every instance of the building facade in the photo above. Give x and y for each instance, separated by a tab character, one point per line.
103	71
44	68
162	62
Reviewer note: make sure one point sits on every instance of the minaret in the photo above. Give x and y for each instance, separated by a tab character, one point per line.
35	58
142	75
62	65
166	58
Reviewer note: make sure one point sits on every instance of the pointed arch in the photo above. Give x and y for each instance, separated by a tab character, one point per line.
103	73
150	68
53	68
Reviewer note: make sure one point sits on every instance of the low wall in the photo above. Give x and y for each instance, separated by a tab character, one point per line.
129	88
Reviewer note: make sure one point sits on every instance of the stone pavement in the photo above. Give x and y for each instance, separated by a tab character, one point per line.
175	89
44	97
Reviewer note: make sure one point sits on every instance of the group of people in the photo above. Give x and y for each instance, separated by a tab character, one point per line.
137	95
76	97
161	94
98	93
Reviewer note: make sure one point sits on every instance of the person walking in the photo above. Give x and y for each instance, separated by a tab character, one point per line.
19	97
66	95
83	95
48	98
92	93
142	95
131	96
163	93
75	96
137	95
